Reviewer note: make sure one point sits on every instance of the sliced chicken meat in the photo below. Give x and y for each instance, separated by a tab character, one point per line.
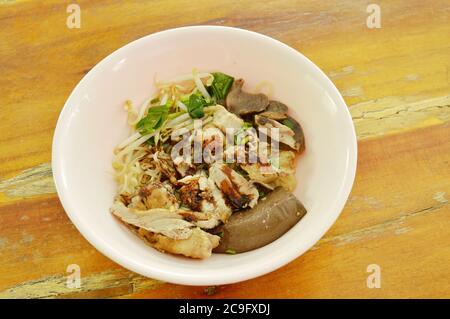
156	220
226	120
280	171
199	245
239	192
285	134
165	165
212	141
154	195
168	230
199	193
190	191
184	165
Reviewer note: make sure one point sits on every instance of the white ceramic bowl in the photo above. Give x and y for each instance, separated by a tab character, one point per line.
93	122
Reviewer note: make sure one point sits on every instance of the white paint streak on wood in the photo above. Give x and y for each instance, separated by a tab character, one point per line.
440	197
364	202
352	91
395	114
55	286
402	230
394	226
37	180
412	77
336	74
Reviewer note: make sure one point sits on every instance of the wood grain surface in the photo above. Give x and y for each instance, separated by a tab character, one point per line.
395	80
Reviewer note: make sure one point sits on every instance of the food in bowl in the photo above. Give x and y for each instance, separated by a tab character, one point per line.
208	167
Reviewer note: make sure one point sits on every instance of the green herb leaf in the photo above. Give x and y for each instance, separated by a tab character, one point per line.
147	124
195	106
164	116
221	85
158	109
220	234
154	119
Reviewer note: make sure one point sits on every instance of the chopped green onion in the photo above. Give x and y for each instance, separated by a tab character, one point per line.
230	251
220	234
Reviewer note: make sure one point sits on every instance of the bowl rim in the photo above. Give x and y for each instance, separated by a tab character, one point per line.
192	279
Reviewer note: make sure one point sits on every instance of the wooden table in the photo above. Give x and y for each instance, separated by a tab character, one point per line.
395	80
